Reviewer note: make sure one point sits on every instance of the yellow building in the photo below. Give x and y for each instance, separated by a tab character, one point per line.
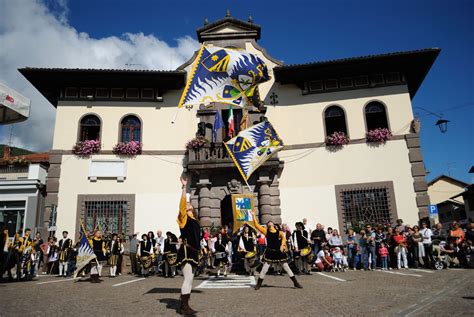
337	186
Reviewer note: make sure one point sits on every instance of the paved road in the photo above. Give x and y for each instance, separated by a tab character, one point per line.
397	293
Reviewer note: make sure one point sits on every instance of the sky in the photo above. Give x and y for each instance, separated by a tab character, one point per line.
155	34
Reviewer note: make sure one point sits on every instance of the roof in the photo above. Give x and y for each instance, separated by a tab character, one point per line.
252	28
30	158
15	151
414	64
448	178
49	81
469	189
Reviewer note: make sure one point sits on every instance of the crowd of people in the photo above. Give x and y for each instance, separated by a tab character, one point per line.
221	250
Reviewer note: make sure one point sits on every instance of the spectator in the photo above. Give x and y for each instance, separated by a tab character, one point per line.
133	254
364	259
324	260
335	239
383	252
351	247
372	252
456	235
400	226
319	238
329	233
426	245
401	250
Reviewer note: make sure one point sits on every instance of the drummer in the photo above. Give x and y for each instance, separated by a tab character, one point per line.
221	252
144	253
248	247
170	251
301	248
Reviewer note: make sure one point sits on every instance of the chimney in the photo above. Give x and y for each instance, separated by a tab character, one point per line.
6	152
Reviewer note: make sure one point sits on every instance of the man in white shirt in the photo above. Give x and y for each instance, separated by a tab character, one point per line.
426	236
160	245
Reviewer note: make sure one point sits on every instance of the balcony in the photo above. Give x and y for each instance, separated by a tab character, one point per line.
216	157
14	172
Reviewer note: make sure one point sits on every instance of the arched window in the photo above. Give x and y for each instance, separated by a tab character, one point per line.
130	129
90	128
375	116
335	120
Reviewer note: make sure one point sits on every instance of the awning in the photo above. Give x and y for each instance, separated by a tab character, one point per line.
14	107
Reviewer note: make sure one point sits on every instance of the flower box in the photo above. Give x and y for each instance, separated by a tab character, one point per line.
380	135
196	143
337	139
87	147
129	148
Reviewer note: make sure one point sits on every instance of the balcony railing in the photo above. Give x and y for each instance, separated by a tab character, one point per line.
210	153
13	172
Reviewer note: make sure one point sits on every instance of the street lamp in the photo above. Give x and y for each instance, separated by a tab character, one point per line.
442	124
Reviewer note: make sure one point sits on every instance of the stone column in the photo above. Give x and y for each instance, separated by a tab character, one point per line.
264	200
275	201
204	186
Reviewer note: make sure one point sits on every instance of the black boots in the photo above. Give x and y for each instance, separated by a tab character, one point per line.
184	308
259	284
295	282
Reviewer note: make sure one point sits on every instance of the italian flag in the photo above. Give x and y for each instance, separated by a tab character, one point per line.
230	120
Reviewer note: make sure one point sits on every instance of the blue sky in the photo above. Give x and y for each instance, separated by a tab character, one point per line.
303	31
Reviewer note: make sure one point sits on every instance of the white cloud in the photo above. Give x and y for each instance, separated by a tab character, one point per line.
32	35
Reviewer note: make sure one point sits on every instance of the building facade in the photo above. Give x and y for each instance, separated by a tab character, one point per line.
23	191
340	187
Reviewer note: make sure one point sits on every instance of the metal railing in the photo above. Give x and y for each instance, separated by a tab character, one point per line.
12	172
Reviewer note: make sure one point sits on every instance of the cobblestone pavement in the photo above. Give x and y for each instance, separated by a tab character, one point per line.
397	293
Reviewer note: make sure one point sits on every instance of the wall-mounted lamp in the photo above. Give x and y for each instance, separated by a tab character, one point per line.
442	124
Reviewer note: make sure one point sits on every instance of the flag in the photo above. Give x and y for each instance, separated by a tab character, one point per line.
230	121
224	75
218	124
85	254
253	146
242	208
244	121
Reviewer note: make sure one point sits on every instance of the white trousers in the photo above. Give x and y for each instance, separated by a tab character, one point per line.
402	257
266	266
63	268
187	270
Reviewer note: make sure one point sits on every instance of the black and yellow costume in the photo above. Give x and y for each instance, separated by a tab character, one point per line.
114	252
190	235
275	241
98	246
65	246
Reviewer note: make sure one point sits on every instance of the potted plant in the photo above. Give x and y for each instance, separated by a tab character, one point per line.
380	135
337	139
196	143
87	147
129	148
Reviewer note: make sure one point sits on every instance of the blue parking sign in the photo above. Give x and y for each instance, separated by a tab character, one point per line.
433	209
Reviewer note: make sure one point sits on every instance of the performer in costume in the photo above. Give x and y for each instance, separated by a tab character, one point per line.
98	246
170	252
221	251
275	251
65	245
248	249
145	254
113	249
300	242
188	253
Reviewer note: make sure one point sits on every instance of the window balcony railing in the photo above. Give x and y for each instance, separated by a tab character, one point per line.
13	172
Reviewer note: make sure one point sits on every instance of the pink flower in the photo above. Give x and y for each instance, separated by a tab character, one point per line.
379	135
87	147
128	148
337	139
196	143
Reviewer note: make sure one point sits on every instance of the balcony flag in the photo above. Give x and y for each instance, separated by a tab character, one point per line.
226	75
253	146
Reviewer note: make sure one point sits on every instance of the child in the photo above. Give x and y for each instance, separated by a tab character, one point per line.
337	257
383	252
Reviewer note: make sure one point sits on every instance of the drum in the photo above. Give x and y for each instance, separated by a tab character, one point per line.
306	251
171	258
220	255
250	255
146	261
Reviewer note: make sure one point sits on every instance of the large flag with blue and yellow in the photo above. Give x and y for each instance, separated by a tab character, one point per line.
226	75
253	146
85	254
